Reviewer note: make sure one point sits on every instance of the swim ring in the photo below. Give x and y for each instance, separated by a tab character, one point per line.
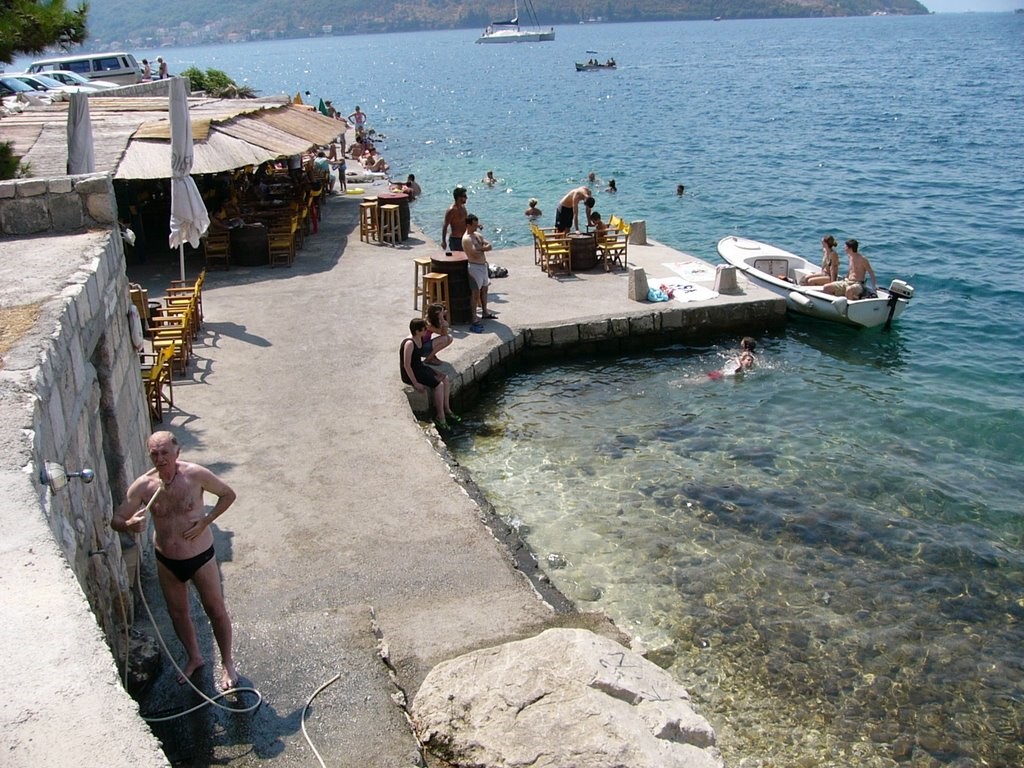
354	191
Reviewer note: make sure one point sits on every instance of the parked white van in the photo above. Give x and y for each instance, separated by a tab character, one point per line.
117	67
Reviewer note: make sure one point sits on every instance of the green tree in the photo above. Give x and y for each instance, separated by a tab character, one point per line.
30	26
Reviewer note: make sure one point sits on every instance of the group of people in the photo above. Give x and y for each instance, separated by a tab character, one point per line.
161	70
854	286
460	231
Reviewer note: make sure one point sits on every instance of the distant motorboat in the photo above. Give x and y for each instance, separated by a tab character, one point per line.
590	66
780	272
510	31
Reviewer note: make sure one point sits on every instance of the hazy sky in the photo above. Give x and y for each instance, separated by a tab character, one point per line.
959	6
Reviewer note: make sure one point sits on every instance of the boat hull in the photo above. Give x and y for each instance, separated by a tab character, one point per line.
519	36
592	67
779	271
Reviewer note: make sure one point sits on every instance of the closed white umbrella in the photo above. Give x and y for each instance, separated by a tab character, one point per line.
189	219
81	155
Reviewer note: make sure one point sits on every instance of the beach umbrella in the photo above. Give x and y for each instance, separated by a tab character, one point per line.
81	154
189	219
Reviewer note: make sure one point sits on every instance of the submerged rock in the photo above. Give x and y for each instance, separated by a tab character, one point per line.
567	697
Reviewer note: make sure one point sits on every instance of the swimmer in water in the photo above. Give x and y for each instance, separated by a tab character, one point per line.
739	364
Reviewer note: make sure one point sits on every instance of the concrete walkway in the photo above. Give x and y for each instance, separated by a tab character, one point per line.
349	530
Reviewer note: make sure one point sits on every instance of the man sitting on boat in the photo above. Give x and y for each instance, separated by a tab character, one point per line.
852	286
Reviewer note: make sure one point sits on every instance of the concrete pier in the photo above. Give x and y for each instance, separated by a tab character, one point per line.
354	548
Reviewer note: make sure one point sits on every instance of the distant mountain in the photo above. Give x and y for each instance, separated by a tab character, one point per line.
133	24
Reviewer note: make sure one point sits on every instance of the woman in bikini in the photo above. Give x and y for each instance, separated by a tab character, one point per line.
829	263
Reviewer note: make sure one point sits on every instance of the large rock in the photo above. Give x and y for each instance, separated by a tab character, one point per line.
567	697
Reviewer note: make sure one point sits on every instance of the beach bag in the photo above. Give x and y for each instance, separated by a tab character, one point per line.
655	294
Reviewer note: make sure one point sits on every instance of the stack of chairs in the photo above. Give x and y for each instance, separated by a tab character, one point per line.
157	381
281	240
217	249
551	251
179	322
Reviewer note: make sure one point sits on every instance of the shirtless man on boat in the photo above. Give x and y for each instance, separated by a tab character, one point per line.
172	492
852	286
567	214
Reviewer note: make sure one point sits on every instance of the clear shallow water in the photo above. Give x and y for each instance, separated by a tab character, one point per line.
828	552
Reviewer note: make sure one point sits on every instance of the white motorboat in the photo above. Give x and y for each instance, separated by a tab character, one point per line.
781	272
510	31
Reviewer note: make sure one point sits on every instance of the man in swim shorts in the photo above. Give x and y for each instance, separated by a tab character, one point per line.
454	226
172	492
476	248
567	214
852	286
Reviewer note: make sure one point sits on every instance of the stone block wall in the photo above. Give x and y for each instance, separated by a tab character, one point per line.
70	393
61	204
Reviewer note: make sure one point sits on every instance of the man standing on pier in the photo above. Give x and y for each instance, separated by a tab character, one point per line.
567	214
454	226
476	247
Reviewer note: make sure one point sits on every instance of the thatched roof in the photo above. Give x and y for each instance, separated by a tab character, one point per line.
133	140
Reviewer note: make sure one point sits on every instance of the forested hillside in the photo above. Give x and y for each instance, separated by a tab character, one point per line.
192	21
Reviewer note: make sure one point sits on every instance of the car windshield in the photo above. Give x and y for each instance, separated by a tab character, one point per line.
37	81
69	77
48	81
16	85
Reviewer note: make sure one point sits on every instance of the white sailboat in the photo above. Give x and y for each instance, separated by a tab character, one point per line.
510	31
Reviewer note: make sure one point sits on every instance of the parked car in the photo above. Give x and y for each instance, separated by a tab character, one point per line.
117	67
73	78
57	90
12	88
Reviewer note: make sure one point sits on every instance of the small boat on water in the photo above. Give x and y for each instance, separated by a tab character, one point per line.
510	31
592	65
781	271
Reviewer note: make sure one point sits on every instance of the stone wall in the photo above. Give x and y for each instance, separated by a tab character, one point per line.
61	204
659	325
70	393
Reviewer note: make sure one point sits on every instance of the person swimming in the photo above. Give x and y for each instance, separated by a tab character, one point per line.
743	362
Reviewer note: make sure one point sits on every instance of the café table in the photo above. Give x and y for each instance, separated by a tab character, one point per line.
583	251
456	266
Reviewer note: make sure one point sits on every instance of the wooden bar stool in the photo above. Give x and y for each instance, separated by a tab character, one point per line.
435	290
390	226
369	227
421	265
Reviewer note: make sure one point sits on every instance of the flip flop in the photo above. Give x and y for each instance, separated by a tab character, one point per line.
488	316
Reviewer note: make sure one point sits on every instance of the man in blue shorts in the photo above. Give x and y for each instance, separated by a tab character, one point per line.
567	214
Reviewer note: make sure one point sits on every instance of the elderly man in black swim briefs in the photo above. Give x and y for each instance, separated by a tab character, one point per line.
173	493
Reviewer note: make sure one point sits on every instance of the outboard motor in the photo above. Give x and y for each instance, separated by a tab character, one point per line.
898	289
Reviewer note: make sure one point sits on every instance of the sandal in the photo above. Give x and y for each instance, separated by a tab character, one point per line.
453	417
488	316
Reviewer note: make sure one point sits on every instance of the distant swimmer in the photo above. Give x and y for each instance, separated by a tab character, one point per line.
532	211
489	179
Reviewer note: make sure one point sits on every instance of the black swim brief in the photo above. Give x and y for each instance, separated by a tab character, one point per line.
185	569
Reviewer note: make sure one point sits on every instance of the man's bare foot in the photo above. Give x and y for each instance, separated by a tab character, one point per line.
190	669
228	678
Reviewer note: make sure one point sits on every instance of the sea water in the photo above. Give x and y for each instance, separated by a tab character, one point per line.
828	551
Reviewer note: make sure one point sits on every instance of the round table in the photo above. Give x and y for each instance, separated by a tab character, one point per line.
456	266
583	251
402	201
